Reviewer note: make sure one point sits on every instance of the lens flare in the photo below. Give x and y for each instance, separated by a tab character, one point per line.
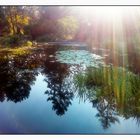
105	11
112	27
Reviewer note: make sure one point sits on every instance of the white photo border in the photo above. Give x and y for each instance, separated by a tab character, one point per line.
71	2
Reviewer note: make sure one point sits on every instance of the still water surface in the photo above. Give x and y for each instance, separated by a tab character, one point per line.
38	94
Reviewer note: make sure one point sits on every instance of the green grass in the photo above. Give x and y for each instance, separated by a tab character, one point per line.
105	81
114	87
10	52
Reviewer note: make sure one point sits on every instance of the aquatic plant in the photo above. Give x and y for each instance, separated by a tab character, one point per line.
110	85
79	57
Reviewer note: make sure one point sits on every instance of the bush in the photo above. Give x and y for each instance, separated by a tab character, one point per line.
28	43
10	40
14	41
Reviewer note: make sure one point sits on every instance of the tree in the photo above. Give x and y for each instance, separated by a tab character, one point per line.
17	19
3	21
54	23
67	27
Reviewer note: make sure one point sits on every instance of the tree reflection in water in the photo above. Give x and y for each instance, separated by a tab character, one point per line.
113	91
15	83
106	112
59	91
17	75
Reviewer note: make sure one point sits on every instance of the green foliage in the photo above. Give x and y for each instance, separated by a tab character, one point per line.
67	27
63	28
14	41
8	53
10	40
16	19
20	51
28	43
113	90
120	83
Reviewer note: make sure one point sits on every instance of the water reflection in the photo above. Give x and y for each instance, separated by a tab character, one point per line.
115	92
112	90
106	112
15	83
18	74
58	91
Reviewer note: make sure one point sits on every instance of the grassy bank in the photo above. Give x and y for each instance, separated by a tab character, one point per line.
23	49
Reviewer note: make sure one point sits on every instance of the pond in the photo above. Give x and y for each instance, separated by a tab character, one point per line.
68	90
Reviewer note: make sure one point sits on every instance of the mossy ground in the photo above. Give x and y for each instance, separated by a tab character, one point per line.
24	49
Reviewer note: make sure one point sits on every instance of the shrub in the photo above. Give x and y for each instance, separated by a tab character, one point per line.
14	41
10	40
28	43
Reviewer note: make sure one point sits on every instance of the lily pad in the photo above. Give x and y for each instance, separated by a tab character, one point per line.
79	57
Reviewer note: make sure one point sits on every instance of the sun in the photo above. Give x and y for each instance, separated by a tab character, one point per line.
106	13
